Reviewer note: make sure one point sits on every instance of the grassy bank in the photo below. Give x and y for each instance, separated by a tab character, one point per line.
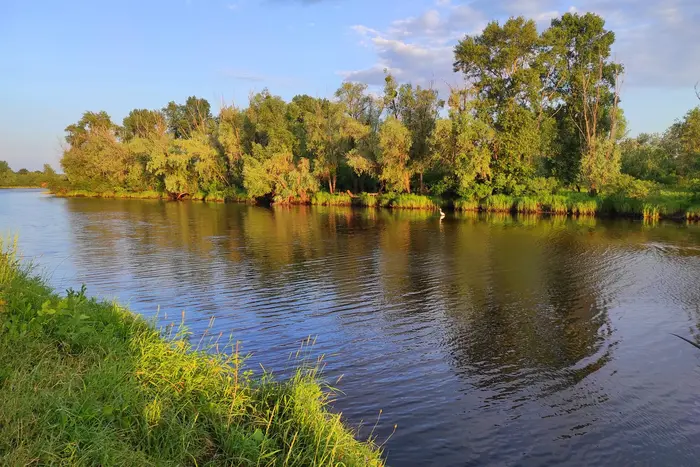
84	382
664	204
216	196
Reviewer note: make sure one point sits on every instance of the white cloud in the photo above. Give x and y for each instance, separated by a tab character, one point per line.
657	41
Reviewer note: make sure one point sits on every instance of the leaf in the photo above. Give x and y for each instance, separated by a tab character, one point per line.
257	436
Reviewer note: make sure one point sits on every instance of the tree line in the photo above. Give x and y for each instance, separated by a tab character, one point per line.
26	178
537	110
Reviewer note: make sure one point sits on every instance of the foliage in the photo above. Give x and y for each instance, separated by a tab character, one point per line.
27	179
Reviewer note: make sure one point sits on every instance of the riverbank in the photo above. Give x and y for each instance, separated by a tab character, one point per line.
675	205
86	382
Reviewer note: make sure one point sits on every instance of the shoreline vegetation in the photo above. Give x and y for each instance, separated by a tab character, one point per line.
671	205
86	382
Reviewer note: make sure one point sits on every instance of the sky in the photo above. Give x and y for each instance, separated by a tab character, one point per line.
59	59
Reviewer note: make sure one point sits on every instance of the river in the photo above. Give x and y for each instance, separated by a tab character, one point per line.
485	339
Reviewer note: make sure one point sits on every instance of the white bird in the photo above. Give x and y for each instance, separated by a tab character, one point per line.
442	214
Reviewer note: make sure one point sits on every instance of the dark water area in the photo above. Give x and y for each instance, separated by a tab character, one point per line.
487	339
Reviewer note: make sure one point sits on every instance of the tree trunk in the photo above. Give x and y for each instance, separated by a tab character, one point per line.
330	184
422	189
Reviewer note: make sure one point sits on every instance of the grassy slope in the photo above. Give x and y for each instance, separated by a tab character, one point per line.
84	382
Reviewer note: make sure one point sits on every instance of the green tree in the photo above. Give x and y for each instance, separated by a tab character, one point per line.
7	176
585	79
94	158
502	64
183	120
331	136
229	136
395	147
461	145
689	157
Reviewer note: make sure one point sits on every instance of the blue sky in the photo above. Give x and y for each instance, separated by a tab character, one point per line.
61	58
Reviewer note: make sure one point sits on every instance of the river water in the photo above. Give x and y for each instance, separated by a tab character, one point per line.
486	340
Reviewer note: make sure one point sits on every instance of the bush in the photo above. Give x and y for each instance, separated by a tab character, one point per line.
630	187
542	186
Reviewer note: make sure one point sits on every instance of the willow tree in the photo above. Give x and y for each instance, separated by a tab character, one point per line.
331	135
94	157
395	146
229	137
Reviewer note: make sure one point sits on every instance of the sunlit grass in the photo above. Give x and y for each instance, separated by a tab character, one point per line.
466	205
498	203
323	198
85	382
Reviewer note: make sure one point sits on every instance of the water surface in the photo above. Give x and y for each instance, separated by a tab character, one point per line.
487	340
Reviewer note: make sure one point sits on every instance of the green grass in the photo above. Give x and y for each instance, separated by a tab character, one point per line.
323	198
463	204
498	203
85	382
110	194
525	204
366	200
412	201
554	204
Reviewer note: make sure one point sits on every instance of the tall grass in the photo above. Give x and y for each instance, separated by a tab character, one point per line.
527	204
366	200
464	204
85	382
323	198
413	201
498	203
693	212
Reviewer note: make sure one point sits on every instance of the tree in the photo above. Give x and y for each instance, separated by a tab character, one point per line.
689	160
183	120
229	136
461	145
94	158
7	176
587	81
395	147
140	123
331	135
418	110
501	63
